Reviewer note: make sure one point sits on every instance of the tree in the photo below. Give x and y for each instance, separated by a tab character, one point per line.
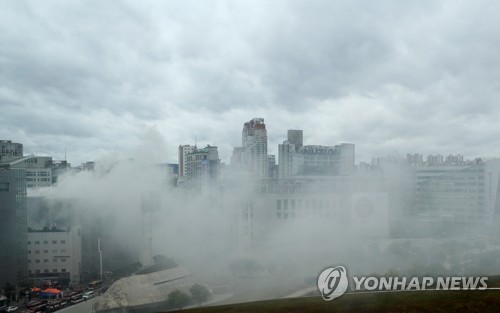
178	299
200	293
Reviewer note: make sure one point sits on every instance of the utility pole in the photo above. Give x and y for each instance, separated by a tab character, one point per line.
100	255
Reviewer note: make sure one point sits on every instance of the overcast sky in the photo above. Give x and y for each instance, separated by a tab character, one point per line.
99	76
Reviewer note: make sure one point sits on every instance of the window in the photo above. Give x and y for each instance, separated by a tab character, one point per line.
63	260
46	242
54	271
4	187
37	251
46	261
29	251
63	270
37	271
45	251
54	242
63	241
54	260
54	250
63	250
29	242
37	242
29	261
37	261
45	271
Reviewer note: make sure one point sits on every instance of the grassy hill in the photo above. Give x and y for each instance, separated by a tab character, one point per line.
413	301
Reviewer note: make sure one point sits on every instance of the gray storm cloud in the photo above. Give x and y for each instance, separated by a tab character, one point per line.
386	76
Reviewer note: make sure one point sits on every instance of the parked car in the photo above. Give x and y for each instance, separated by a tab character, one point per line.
11	309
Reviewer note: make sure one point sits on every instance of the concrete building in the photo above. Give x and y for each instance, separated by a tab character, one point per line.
184	150
203	164
88	166
295	137
252	156
9	149
464	195
38	169
272	167
296	160
341	205
13	227
55	254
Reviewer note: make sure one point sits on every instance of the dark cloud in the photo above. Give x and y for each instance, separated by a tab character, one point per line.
408	76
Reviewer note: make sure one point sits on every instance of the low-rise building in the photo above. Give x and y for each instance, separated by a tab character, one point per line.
55	254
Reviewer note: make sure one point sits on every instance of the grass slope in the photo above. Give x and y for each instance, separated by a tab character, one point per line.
413	301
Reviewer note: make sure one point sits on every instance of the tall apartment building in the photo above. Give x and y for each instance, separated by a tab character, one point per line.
184	150
13	227
296	159
252	156
55	254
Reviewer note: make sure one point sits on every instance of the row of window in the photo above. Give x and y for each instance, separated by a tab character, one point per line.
29	173
37	179
47	251
46	271
46	242
306	203
47	261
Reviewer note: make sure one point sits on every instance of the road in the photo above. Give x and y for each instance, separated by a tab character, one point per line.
82	307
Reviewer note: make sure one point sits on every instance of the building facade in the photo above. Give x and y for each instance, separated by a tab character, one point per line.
38	170
464	194
184	150
203	165
252	155
9	149
297	160
55	254
13	227
332	206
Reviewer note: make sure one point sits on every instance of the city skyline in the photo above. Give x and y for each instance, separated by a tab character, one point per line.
380	82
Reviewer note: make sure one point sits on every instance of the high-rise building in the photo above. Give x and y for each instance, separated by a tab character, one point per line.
295	137
252	156
9	149
13	227
272	168
183	151
203	164
314	160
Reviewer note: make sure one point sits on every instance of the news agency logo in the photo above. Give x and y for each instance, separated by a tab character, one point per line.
333	282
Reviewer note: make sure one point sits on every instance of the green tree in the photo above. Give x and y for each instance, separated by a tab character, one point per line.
200	293
178	299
